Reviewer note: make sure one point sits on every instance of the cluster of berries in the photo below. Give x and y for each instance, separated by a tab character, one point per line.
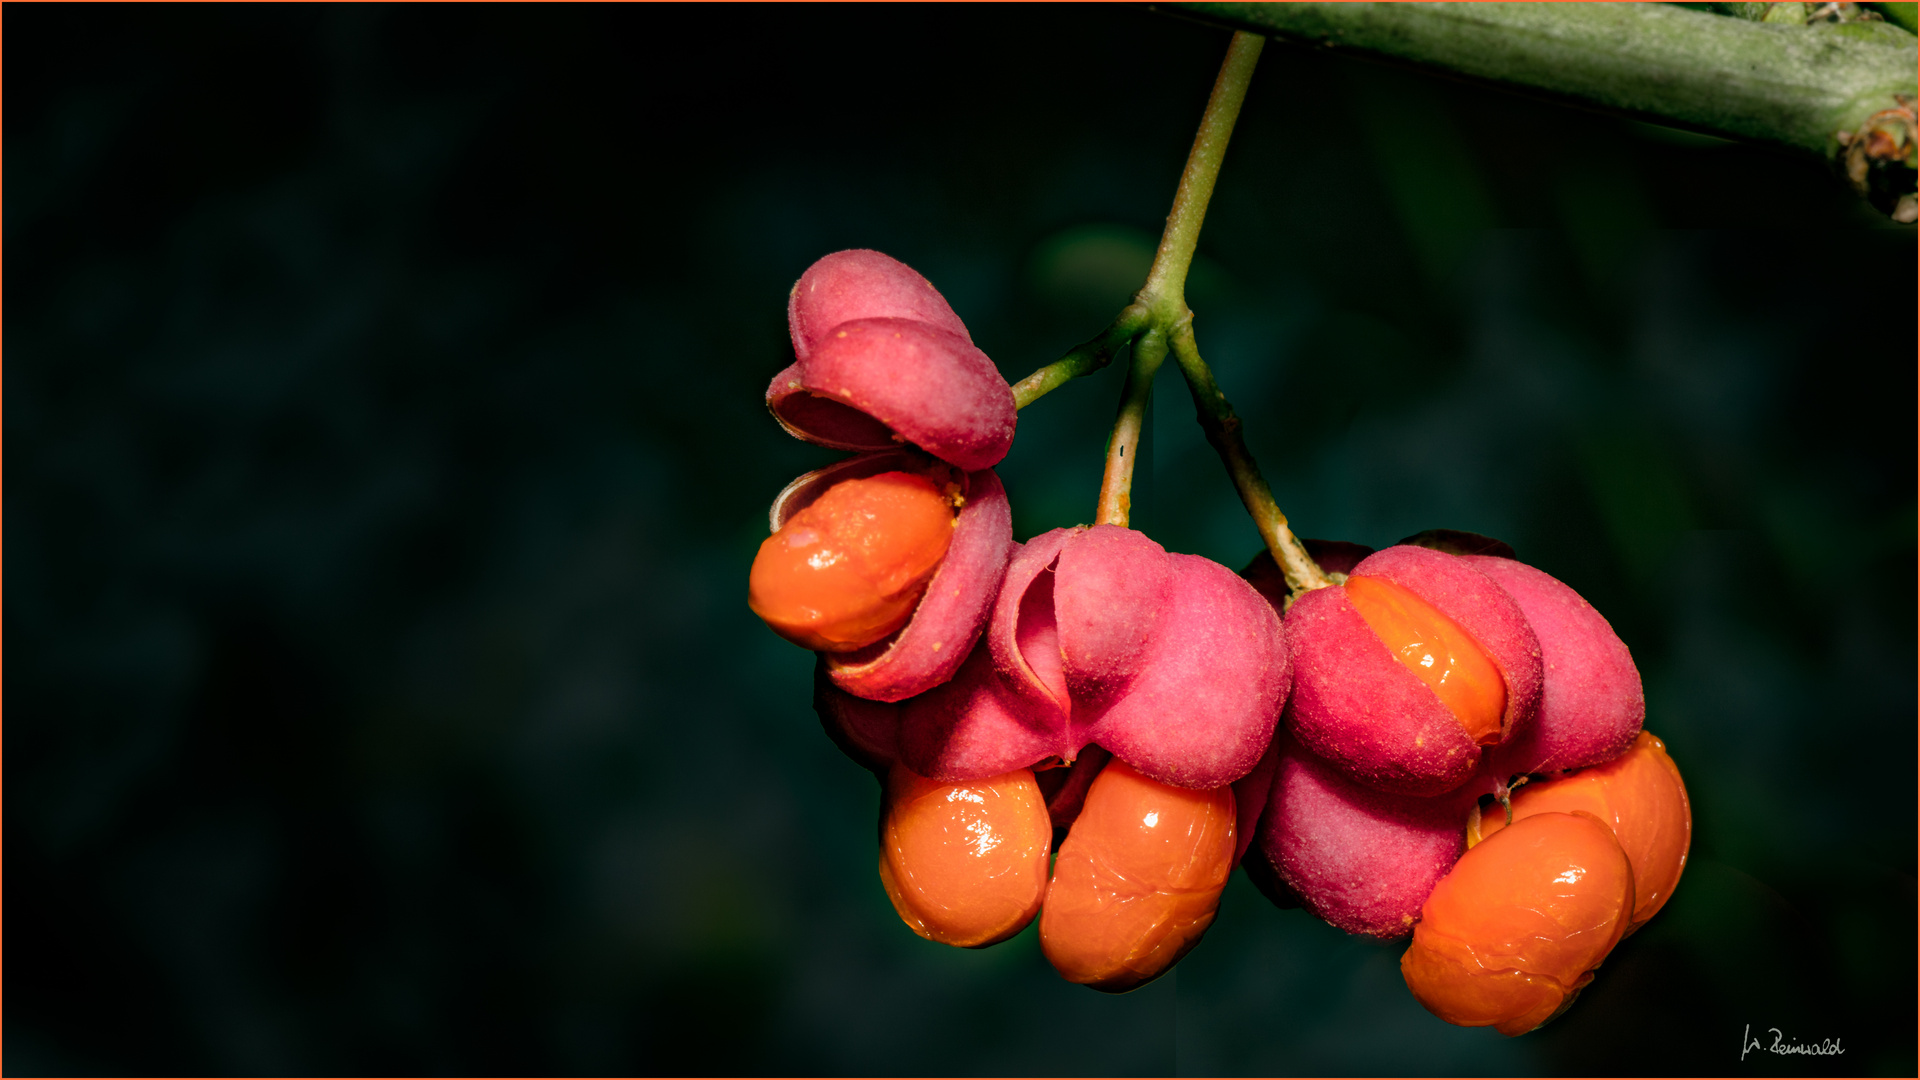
1442	690
1091	694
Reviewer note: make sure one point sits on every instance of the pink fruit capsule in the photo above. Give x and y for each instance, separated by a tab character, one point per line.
862	284
882	360
1357	701
1591	703
1362	859
1100	636
952	607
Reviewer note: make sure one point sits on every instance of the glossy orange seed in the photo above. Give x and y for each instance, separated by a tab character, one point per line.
1641	797
1516	928
1138	879
849	568
965	864
1438	651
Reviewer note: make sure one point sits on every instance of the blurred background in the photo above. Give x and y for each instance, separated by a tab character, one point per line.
385	456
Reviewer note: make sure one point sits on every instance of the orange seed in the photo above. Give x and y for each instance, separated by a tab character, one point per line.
1138	879
965	864
1640	796
850	567
1438	651
1517	927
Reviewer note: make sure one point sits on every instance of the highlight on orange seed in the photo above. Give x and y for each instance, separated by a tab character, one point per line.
1515	930
1138	879
1641	797
849	568
1438	651
965	864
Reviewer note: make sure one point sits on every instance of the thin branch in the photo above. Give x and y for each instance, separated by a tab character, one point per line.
1166	292
1083	359
1163	299
1222	426
1123	446
1166	287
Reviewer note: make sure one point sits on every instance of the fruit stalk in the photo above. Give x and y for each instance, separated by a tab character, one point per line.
1123	446
1166	293
1166	288
1083	359
1160	317
1222	426
1162	300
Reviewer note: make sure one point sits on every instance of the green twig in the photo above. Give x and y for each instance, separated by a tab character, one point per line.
1166	288
1083	359
1123	446
1165	293
1160	316
1163	297
1222	427
1162	301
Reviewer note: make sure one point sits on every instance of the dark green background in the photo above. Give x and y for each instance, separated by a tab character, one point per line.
385	455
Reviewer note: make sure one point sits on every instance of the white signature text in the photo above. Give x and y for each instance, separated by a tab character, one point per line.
1779	1045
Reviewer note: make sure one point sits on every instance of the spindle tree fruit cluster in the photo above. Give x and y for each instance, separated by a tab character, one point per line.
1434	741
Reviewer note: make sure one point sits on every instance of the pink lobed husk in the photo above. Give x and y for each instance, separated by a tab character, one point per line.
862	284
1363	860
1101	637
953	612
1592	704
1354	704
1206	701
1357	706
1455	586
974	727
870	384
866	731
881	359
1250	795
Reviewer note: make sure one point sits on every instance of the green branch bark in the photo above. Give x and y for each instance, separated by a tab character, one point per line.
1809	89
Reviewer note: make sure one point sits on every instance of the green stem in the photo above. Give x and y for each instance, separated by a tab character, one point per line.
1123	446
1164	297
1222	427
1083	359
1166	293
1159	314
1166	287
1162	301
